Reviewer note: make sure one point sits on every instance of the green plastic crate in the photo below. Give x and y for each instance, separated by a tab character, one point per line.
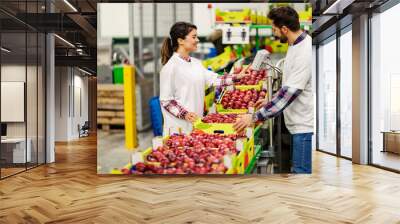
118	75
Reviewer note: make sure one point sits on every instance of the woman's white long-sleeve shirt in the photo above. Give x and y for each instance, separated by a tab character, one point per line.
182	85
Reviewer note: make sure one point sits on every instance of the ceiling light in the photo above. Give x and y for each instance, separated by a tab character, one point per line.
70	5
84	71
65	41
5	50
337	7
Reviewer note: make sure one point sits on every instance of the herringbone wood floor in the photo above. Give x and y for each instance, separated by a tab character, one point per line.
70	191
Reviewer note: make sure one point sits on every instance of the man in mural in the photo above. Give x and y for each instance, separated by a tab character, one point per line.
295	98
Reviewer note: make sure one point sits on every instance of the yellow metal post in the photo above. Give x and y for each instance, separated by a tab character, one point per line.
130	107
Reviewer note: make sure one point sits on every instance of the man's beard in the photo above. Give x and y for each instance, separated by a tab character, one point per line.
283	39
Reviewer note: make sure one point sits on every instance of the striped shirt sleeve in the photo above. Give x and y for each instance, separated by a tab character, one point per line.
285	96
173	107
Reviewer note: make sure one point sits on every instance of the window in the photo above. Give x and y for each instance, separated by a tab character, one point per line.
385	89
327	96
346	92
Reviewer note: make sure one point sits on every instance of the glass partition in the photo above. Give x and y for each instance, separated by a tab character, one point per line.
327	96
22	77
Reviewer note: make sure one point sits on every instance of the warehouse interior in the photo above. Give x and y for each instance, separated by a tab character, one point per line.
113	49
40	108
60	129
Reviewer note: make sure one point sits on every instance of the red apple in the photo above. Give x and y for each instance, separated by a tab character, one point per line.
140	167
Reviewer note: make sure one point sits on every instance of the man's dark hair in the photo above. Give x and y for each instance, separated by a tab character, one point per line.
285	16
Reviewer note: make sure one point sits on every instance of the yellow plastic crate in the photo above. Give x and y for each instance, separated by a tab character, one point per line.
211	128
279	47
116	171
146	152
222	110
209	97
233	16
257	87
231	171
239	162
220	61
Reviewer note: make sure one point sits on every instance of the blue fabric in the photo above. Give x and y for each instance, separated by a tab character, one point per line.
300	38
156	116
301	153
213	53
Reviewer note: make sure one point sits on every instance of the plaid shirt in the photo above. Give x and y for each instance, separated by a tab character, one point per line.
173	107
283	98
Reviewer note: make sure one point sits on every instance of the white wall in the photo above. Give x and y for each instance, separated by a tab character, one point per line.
80	93
14	73
68	83
61	103
114	18
83	84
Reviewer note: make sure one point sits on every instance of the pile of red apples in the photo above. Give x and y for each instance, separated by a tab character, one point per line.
252	78
237	99
220	118
197	153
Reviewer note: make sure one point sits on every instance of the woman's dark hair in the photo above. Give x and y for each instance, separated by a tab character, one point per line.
170	44
285	16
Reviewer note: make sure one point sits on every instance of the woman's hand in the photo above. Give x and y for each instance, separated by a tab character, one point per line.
191	117
243	72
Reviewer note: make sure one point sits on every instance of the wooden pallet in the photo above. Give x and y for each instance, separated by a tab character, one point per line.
110	113
110	106
110	101
107	123
109	127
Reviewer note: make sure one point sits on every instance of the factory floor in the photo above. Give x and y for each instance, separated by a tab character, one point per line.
111	150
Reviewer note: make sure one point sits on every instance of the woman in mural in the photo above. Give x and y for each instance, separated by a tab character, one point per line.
183	79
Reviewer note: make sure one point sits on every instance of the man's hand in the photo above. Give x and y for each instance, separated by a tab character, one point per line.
242	122
243	72
260	103
191	117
